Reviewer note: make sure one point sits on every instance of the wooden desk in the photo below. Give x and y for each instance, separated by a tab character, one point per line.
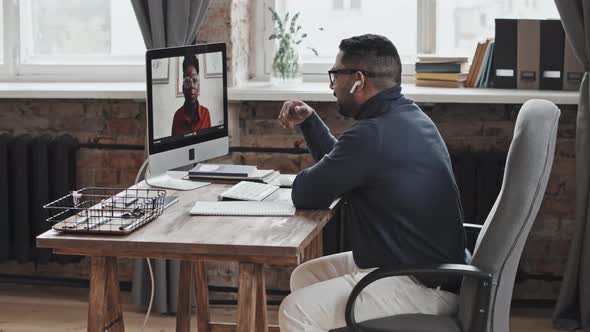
251	241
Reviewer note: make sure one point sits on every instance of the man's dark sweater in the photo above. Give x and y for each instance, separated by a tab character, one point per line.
395	173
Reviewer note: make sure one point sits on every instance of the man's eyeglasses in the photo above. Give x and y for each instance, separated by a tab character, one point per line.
332	73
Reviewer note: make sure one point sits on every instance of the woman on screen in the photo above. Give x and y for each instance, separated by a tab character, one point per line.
191	116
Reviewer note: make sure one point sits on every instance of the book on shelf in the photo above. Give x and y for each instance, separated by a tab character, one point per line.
486	81
441	67
482	64
423	59
439	84
475	63
441	76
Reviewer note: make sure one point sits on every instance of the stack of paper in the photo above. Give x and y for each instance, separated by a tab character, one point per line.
436	71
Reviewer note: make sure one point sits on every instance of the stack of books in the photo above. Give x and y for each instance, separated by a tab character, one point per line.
446	72
480	73
233	172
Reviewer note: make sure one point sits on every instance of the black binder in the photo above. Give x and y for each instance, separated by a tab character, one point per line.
19	197
504	62
551	62
5	224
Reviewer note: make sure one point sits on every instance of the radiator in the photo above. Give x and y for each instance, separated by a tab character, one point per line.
479	177
33	172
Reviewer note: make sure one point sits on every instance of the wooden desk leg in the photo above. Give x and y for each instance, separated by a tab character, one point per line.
319	244
314	249
96	296
261	321
183	307
247	297
202	296
114	315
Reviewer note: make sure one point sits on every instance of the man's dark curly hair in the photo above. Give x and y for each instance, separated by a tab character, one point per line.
190	60
375	54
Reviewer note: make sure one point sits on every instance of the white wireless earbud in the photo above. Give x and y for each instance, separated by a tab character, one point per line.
354	86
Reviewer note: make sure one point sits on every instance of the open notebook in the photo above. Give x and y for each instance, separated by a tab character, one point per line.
243	208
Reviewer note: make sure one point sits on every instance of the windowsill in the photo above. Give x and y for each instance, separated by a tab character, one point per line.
264	91
73	90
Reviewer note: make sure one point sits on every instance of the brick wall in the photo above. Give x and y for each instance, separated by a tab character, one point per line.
254	124
116	123
229	21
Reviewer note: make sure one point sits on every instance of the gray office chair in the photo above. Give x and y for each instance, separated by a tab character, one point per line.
488	279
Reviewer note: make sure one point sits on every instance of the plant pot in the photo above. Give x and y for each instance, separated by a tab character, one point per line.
286	69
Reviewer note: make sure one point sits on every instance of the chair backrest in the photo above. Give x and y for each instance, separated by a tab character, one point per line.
504	233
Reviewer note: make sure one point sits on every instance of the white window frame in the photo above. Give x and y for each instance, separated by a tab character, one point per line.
52	69
318	71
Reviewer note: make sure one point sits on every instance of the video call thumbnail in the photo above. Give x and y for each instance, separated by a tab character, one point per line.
187	95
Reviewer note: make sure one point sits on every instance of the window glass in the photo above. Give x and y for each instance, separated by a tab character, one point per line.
460	24
73	28
396	19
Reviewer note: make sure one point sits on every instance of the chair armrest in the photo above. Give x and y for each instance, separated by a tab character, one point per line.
473	227
485	279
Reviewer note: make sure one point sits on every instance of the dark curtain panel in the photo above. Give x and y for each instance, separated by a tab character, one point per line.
164	23
573	305
167	23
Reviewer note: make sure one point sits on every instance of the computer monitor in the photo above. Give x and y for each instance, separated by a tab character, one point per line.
186	109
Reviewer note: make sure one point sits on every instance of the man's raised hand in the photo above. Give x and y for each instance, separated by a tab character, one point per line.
294	112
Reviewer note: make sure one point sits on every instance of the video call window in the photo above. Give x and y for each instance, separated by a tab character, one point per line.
187	95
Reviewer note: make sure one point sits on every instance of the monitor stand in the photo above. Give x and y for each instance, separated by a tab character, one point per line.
165	181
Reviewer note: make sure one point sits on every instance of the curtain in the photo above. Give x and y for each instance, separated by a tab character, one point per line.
573	304
167	23
164	23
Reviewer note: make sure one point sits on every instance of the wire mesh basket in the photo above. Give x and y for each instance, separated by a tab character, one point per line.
105	210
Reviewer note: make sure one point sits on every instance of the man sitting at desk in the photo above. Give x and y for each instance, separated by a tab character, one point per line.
399	196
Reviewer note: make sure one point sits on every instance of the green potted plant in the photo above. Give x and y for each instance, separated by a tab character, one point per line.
288	35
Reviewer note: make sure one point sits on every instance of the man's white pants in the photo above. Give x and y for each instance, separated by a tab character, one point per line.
320	289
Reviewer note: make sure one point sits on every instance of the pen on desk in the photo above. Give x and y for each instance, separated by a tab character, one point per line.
124	226
132	224
135	215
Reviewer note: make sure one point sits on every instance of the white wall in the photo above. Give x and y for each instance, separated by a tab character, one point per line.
166	101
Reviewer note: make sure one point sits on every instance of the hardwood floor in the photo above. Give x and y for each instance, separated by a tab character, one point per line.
25	308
